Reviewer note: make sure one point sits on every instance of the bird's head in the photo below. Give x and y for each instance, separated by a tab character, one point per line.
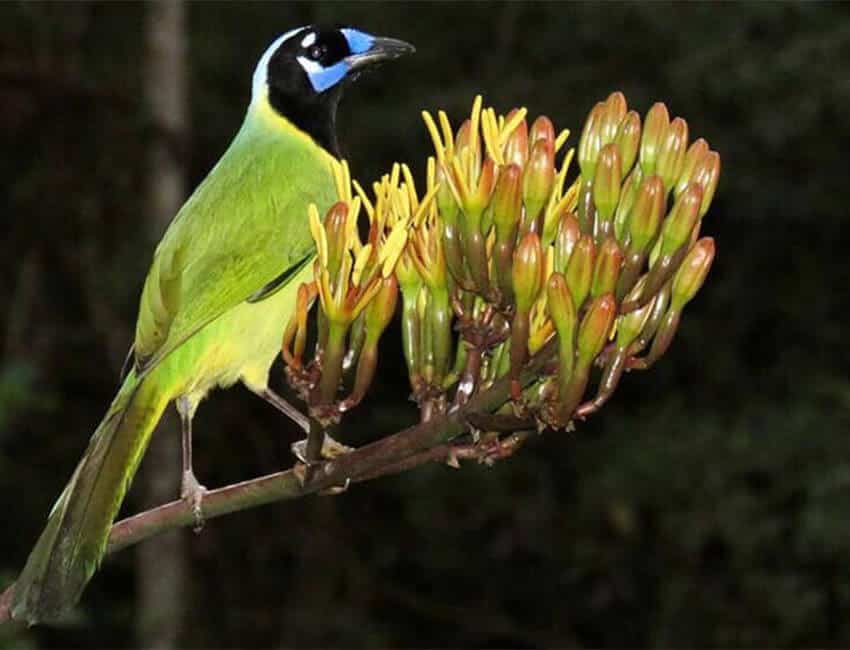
301	75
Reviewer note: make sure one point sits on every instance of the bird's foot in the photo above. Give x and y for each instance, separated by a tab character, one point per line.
330	449
192	492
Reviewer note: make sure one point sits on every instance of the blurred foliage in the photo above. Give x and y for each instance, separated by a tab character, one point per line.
707	505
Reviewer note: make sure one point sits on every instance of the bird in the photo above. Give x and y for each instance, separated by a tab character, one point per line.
220	289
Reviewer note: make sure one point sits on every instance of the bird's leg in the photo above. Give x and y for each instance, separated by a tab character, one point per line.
330	448
191	490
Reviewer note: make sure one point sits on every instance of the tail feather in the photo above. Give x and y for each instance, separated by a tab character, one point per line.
73	542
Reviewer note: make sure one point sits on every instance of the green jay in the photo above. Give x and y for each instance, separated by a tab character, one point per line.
220	289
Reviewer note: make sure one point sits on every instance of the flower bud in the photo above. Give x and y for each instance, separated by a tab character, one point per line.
590	142
586	208
579	272
671	152
654	128
683	217
692	273
537	182
607	268
516	147
647	213
507	202
606	183
612	116
507	211
706	174
595	328
379	312
528	271
693	156
562	311
628	195
628	141
542	129
565	241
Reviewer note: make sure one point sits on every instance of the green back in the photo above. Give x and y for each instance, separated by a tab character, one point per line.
244	226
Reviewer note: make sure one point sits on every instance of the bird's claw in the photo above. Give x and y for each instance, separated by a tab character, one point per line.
330	449
192	492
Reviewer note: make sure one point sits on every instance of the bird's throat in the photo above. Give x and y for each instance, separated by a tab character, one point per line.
316	117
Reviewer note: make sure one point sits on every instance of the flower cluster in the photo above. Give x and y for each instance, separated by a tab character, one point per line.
503	260
356	288
512	257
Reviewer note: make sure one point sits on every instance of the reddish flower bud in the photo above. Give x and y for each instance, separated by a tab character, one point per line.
692	273
595	328
528	269
516	148
537	182
507	203
542	129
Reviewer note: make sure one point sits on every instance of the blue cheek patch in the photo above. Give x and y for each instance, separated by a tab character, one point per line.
323	78
358	42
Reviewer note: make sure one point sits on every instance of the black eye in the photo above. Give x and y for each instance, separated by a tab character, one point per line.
316	52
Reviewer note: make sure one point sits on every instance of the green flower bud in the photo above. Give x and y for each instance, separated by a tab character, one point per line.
537	182
683	217
647	213
654	128
612	116
528	268
507	211
516	148
565	241
671	152
693	156
590	142
562	311
586	208
579	272
628	141
607	268
692	273
606	185
628	195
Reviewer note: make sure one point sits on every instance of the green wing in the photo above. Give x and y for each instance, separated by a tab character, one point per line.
244	227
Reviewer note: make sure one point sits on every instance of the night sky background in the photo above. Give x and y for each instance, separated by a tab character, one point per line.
708	504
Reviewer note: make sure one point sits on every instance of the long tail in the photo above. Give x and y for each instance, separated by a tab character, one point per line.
73	543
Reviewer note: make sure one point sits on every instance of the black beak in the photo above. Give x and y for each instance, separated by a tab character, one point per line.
382	49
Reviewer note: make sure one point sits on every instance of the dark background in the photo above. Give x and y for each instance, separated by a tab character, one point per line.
708	504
